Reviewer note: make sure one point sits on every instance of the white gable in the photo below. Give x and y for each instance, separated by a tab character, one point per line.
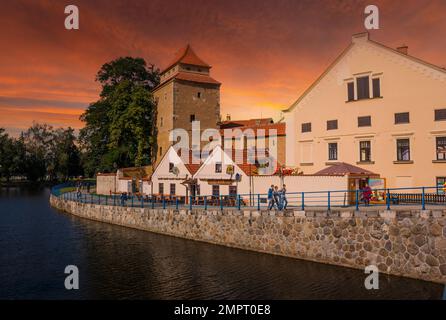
162	170
207	170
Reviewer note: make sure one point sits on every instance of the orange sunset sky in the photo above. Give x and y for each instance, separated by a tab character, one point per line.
265	52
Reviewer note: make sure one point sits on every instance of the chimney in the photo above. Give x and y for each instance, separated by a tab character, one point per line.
403	49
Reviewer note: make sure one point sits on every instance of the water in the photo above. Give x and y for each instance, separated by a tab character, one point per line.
38	242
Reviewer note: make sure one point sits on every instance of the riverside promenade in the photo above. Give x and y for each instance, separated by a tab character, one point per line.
404	241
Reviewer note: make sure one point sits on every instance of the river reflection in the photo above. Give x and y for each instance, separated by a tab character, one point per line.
37	242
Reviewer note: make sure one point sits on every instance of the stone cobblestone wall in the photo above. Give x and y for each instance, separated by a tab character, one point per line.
405	243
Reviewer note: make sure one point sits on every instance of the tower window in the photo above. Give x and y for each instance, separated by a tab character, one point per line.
192	117
161	122
161	151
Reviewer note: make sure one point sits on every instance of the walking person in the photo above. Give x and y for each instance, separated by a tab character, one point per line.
367	194
276	197
283	199
78	191
270	197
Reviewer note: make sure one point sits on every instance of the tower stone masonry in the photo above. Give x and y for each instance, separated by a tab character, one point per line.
186	93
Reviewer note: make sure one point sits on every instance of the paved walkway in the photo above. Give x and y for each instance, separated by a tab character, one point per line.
134	202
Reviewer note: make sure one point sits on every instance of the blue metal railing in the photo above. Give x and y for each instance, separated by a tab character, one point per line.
331	199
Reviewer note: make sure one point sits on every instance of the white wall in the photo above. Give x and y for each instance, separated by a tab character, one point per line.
123	185
105	184
162	174
207	171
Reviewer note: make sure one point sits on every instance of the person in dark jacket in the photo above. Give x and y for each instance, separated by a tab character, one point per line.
283	199
270	197
276	197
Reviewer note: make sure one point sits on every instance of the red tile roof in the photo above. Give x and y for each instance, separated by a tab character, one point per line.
195	77
187	56
279	127
243	123
190	166
342	169
105	174
189	76
241	160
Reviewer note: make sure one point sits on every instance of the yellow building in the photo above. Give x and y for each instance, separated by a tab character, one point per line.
375	107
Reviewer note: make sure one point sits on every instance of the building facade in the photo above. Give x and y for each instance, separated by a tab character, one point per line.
186	93
259	133
376	107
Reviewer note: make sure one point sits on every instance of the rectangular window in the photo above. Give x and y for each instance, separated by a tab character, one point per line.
364	121
216	190
332	124
362	85
161	151
365	151
376	87
440	114
402	117
161	188
441	185
171	166
233	191
403	149
192	117
161	122
333	151
306	127
218	167
198	94
172	188
351	91
441	148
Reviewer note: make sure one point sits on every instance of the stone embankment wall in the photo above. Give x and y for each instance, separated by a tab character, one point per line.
405	243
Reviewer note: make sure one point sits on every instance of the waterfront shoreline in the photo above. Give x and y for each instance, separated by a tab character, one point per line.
349	241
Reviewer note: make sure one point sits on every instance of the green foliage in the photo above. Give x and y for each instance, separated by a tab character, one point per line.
120	127
40	153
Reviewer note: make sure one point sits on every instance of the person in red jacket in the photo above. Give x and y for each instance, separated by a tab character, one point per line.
366	194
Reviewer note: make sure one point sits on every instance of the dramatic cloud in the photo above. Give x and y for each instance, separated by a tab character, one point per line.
266	53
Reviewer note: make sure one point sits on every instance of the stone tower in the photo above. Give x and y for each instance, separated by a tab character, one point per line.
186	93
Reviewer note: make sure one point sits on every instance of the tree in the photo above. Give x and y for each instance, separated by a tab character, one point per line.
120	127
67	156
